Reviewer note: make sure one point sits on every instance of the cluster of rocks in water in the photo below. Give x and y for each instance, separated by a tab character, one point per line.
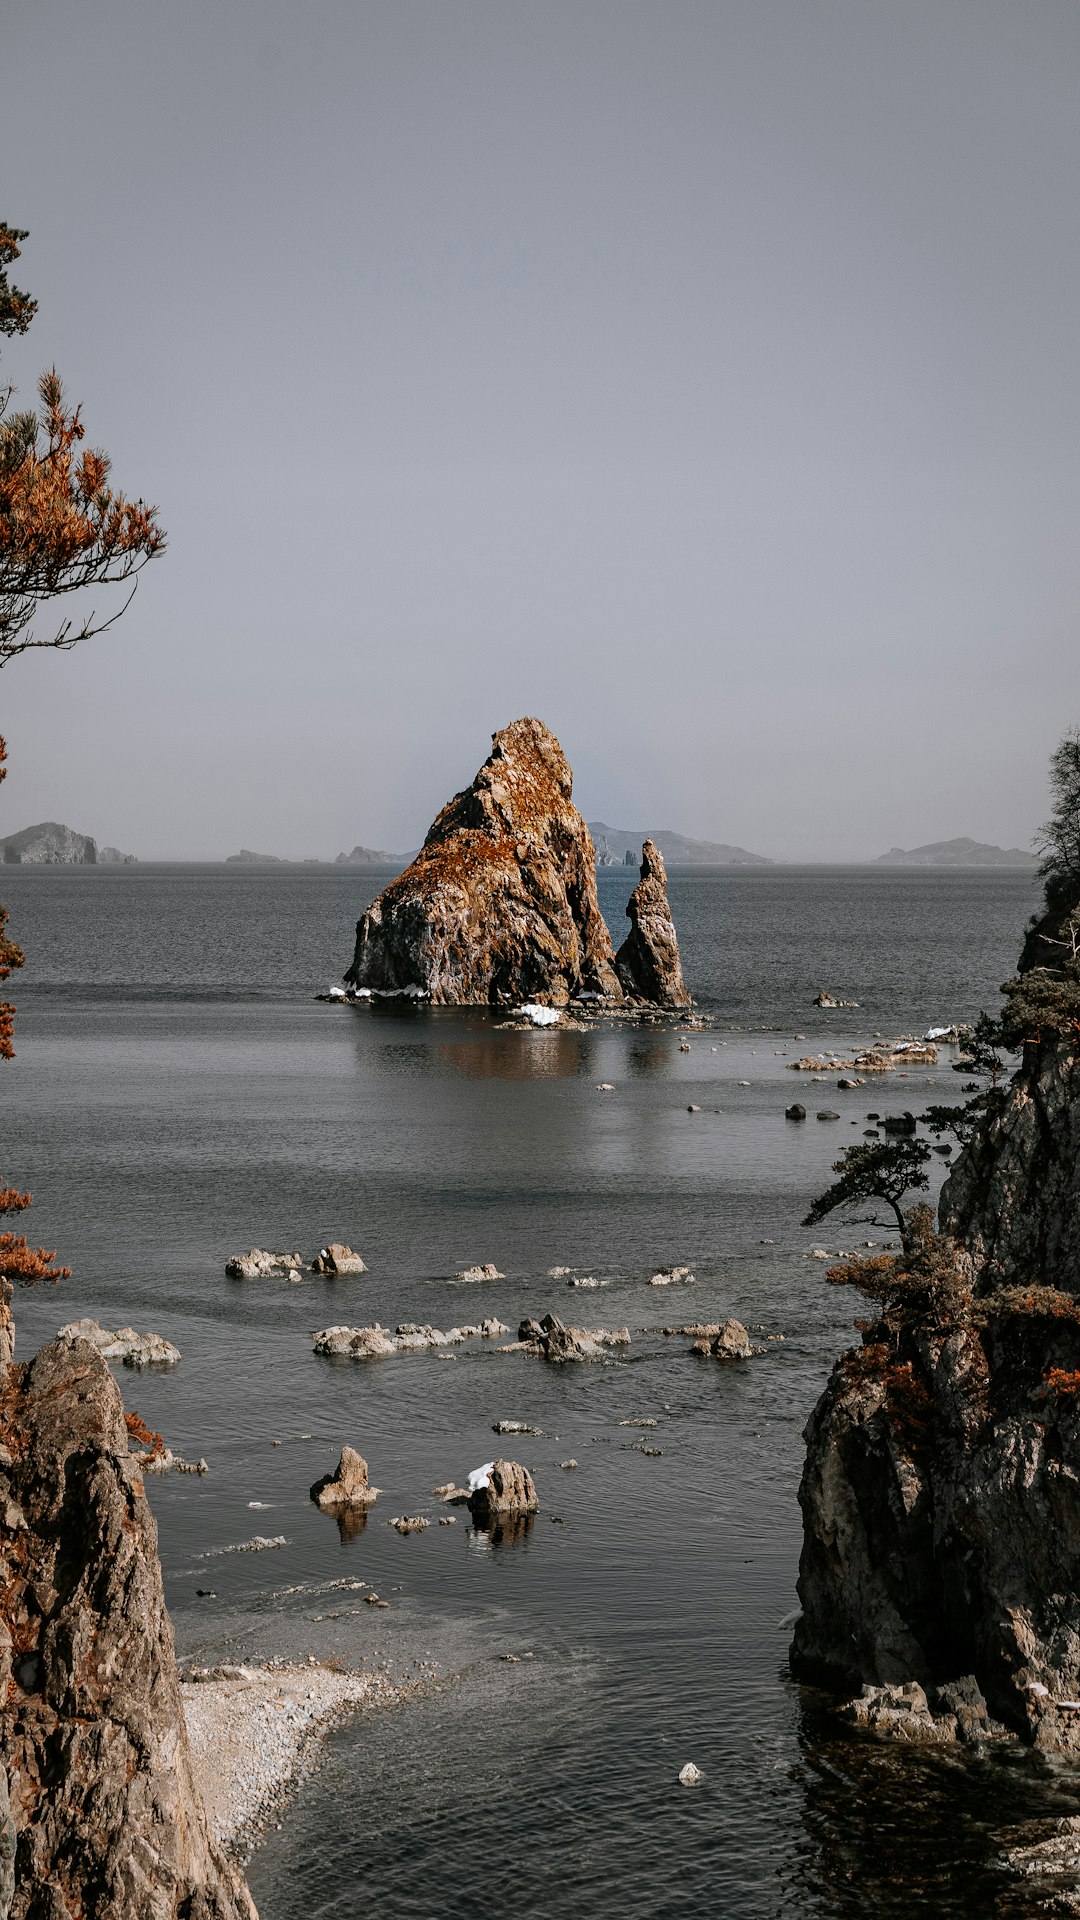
337	1258
882	1056
499	908
131	1348
374	1342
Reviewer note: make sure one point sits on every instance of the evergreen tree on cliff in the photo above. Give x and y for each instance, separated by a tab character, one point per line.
63	528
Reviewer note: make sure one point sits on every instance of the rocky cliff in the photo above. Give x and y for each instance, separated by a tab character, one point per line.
99	1815
941	1492
48	845
499	905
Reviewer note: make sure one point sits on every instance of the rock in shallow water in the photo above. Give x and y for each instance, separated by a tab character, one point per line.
506	1489
648	960
348	1485
499	907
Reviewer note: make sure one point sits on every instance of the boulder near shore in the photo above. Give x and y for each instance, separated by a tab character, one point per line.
500	907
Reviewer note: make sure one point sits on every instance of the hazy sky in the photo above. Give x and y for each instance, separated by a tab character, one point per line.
702	376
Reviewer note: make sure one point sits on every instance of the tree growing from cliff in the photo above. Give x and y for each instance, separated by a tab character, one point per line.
985	1055
1059	840
63	528
881	1174
924	1282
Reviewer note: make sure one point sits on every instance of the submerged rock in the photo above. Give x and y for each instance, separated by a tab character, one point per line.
499	907
648	961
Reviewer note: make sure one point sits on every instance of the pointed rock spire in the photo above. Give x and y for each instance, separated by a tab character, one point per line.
648	961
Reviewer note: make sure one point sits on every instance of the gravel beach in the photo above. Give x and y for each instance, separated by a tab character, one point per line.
253	1731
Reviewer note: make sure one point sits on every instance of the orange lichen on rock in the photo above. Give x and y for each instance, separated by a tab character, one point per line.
500	904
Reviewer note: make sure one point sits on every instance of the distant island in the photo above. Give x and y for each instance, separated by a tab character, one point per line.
50	844
245	858
615	847
373	857
957	853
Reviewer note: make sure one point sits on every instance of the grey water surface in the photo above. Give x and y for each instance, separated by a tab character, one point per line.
179	1095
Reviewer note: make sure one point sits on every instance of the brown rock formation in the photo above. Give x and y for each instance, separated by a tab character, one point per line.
499	905
553	1341
648	960
104	1814
510	1490
348	1485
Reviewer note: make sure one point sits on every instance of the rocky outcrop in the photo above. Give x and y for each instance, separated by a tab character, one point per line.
941	1501
648	963
374	1342
260	1264
941	1492
500	904
49	845
551	1340
104	1814
134	1349
112	857
730	1342
347	1486
507	1489
337	1258
1013	1198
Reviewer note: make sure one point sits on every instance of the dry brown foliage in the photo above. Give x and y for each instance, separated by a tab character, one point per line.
144	1435
63	528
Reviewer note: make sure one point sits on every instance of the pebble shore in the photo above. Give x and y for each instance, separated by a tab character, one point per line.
253	1732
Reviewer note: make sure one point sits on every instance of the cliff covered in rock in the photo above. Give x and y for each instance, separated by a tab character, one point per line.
99	1815
500	904
941	1491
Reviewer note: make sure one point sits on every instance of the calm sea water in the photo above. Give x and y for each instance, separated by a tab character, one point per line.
179	1095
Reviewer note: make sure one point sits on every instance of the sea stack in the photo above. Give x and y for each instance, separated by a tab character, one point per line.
500	905
648	963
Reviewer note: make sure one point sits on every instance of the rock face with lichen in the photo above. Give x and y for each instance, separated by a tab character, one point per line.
648	963
499	907
102	1816
941	1491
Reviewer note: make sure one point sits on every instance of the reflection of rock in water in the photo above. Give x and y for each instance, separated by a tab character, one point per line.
898	1832
351	1521
506	1529
551	1055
